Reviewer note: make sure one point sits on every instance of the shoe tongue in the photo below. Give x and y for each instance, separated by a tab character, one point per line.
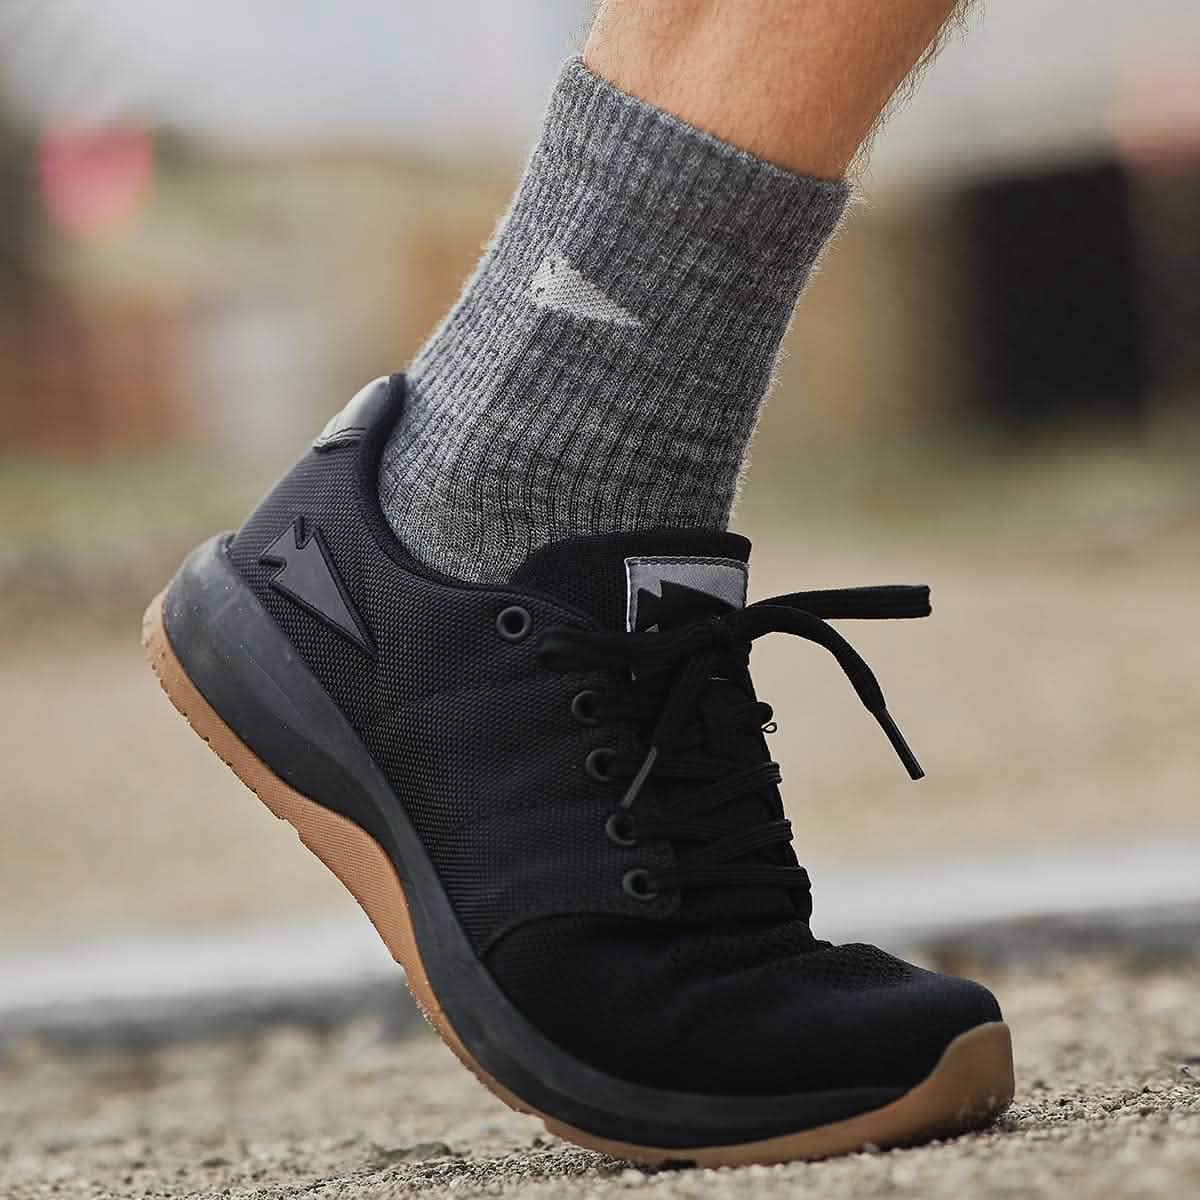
656	579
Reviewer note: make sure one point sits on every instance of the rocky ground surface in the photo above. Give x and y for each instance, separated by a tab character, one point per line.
1108	1105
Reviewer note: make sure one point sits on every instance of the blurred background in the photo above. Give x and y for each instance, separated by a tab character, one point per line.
218	220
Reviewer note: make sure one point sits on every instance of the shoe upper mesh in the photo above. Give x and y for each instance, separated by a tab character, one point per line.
481	747
750	1010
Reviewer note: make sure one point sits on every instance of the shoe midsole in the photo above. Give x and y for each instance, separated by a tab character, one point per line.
253	677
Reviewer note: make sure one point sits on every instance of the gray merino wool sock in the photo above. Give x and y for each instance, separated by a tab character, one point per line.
603	368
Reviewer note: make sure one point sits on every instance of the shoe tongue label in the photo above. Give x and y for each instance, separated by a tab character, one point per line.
666	592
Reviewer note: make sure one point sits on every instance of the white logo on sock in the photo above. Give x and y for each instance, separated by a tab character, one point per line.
557	285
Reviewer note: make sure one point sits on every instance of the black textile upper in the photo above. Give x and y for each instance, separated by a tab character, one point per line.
711	983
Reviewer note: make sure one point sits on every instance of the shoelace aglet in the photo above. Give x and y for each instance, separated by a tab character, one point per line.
907	757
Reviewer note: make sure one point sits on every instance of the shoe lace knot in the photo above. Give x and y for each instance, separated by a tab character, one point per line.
687	691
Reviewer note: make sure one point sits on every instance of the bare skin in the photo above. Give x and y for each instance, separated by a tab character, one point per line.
800	83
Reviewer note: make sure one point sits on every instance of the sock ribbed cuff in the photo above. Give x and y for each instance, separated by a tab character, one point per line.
604	367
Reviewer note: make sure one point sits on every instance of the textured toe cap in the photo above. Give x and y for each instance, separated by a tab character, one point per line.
738	1014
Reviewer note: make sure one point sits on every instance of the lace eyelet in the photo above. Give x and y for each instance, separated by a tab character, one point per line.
636	884
597	763
583	707
514	623
619	828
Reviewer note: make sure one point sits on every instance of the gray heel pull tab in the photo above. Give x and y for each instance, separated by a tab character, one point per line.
349	425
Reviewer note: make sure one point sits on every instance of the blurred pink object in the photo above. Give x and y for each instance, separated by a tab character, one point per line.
94	180
1156	116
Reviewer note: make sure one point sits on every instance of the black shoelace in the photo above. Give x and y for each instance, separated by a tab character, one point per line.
665	677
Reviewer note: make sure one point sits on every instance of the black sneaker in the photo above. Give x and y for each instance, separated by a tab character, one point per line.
555	801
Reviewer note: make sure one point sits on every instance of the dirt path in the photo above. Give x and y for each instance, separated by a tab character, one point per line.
1103	1109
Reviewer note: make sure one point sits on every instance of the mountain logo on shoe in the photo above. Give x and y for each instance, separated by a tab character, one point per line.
559	286
307	576
663	593
678	605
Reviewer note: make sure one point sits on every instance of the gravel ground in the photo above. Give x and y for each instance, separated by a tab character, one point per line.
1106	1107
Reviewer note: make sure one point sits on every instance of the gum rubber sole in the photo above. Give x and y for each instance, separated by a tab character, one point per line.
971	1084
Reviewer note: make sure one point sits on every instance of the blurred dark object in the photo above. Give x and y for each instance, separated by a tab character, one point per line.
1086	294
16	275
1058	323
